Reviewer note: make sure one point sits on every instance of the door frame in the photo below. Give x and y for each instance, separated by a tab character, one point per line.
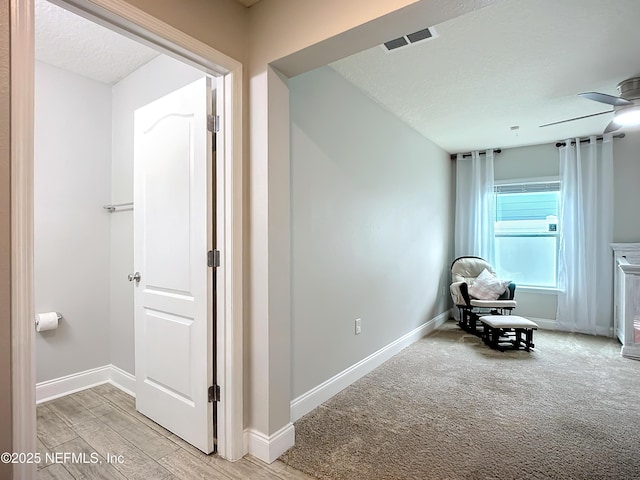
123	18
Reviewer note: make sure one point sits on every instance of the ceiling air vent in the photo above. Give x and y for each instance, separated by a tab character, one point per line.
409	39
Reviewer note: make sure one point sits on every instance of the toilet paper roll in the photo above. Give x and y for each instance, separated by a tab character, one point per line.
46	321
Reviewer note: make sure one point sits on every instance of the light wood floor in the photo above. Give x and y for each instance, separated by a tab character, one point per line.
103	421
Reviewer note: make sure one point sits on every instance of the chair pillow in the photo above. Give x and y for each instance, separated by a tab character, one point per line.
487	286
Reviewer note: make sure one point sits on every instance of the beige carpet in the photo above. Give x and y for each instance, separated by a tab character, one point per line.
448	407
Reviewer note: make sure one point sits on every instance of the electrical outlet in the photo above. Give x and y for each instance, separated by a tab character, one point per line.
358	326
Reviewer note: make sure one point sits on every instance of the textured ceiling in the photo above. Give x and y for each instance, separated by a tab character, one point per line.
247	3
517	62
73	43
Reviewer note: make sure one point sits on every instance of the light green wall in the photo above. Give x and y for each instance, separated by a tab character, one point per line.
72	155
527	162
371	227
626	183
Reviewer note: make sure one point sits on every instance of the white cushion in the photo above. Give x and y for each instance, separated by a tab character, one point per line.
456	293
487	286
467	269
507	321
493	303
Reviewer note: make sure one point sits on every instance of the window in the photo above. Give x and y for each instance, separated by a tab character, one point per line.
526	233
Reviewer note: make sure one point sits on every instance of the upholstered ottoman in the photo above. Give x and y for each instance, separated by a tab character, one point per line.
508	331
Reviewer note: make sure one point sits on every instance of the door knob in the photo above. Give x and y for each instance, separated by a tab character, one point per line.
134	276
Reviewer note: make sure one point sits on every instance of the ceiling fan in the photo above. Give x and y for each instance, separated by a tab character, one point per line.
626	107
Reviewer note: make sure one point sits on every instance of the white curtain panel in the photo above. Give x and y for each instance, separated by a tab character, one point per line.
475	206
586	231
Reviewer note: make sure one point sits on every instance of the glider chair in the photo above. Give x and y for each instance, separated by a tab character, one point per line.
476	291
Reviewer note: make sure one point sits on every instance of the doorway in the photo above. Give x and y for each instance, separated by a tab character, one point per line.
137	24
86	116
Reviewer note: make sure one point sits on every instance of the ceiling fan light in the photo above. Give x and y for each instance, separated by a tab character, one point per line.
628	117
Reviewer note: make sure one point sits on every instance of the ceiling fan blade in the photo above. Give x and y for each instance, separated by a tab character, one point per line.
604	98
612	127
576	118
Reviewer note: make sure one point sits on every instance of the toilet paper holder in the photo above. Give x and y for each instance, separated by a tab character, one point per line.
57	315
35	321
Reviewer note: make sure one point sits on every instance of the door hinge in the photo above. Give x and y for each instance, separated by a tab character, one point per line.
214	393
213	123
213	258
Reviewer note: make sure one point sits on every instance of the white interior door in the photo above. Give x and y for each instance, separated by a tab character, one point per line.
173	219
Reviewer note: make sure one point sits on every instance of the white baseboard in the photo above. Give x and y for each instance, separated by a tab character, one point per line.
544	323
550	324
629	351
123	380
269	447
59	387
306	402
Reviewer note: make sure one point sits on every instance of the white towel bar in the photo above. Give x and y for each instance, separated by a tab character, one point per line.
118	207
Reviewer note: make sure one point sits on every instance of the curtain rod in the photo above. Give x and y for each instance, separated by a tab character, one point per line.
585	140
467	155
